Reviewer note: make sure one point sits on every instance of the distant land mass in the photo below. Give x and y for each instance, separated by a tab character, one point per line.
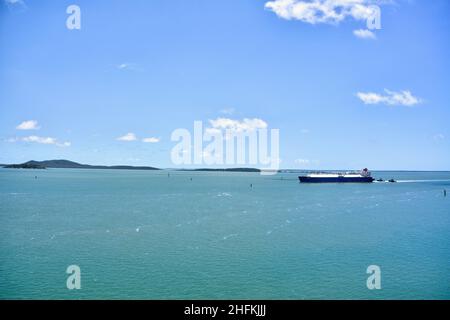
70	165
230	169
66	164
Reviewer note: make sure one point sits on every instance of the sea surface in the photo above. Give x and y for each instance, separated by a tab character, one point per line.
210	235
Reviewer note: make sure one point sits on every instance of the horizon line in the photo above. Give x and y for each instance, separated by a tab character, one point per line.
224	168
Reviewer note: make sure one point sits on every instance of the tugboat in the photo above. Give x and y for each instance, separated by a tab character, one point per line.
363	176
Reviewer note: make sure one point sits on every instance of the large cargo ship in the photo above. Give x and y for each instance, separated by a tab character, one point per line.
362	176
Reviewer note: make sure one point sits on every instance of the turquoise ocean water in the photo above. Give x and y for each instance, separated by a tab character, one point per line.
144	235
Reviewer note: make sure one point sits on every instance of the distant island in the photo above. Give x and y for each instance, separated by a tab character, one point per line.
66	164
229	169
70	165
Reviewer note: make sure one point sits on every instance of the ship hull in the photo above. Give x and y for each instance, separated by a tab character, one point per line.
335	179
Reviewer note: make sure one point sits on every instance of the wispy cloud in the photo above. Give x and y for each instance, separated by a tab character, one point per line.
130	136
64	144
127	66
364	34
438	137
44	140
28	125
151	140
17	4
123	66
14	2
236	126
402	98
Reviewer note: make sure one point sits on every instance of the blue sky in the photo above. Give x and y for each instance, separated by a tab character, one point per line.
150	67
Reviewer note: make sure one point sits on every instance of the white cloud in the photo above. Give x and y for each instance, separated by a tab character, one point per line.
403	98
151	140
64	144
364	34
28	125
236	126
14	2
45	140
127	66
130	136
302	162
213	131
122	66
322	11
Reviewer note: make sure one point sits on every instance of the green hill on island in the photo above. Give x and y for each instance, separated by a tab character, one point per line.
70	165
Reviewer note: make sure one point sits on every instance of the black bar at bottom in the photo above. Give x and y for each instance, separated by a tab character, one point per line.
221	309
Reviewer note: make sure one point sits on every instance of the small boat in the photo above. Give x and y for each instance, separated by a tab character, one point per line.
391	180
380	180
